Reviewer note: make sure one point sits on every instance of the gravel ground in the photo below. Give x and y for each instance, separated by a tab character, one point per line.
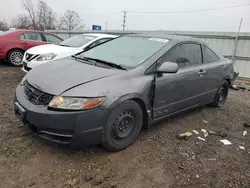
157	159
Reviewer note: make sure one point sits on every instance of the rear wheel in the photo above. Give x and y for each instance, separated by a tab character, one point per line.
123	126
221	95
15	57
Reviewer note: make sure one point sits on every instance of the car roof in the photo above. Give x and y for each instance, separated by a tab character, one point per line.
27	30
99	35
166	36
34	31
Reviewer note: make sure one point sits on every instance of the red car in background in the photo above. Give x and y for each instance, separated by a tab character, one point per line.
14	43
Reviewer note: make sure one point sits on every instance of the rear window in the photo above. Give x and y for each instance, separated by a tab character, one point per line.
52	38
77	41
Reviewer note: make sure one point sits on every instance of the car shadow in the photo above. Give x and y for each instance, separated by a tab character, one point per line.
4	64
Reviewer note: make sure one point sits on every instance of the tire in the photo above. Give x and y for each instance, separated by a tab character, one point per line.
123	126
221	95
15	57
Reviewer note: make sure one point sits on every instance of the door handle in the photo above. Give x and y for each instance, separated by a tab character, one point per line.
201	72
24	43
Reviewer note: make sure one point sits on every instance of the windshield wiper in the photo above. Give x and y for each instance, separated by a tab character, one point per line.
84	60
106	63
64	45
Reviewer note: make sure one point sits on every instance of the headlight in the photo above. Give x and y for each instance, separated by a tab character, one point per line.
23	80
72	103
46	57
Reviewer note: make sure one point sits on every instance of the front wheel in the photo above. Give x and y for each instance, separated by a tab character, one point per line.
15	57
123	126
221	95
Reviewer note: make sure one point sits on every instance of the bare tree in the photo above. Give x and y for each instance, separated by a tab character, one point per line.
70	20
60	24
31	9
46	16
3	26
21	22
41	16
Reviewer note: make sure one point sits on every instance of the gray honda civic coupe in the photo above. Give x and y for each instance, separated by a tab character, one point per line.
107	94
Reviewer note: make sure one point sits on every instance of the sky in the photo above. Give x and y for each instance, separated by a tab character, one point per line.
144	14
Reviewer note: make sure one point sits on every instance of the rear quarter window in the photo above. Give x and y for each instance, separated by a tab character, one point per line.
209	56
22	37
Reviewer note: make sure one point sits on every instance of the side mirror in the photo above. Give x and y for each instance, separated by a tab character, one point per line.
168	67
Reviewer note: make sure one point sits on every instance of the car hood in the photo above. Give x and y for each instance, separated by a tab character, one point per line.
52	48
65	74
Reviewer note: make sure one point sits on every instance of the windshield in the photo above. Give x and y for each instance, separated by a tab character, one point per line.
128	51
5	32
77	41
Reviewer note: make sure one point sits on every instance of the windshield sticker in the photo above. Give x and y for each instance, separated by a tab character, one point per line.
90	38
158	39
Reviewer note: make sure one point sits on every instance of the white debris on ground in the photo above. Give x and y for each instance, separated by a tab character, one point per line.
196	132
226	142
205	133
240	86
201	139
244	133
242	147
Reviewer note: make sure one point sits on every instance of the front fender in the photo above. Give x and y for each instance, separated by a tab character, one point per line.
130	96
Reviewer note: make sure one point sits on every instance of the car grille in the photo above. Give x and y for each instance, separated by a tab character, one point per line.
30	57
35	96
26	67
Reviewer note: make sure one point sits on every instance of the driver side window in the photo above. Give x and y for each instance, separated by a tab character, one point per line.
174	56
185	55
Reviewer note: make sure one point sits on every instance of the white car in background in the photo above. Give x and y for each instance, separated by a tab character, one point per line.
45	53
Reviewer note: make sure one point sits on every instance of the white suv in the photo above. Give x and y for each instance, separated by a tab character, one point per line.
45	53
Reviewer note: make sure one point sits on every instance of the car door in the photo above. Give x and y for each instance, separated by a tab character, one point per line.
214	68
179	91
31	39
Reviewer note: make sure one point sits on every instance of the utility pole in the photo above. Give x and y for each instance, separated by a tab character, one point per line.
124	20
236	41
